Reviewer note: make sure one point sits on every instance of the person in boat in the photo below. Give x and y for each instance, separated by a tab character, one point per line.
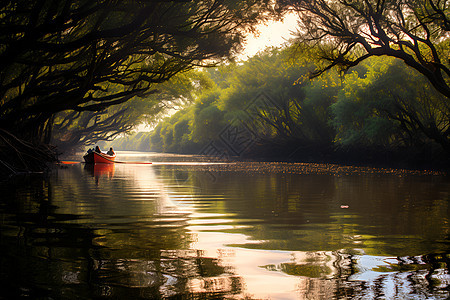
97	149
110	152
90	150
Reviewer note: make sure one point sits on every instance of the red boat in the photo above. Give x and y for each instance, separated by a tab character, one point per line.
99	158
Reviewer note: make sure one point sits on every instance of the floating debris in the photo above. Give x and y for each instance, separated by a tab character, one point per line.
303	168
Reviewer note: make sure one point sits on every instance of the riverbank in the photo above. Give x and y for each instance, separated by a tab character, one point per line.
336	161
414	159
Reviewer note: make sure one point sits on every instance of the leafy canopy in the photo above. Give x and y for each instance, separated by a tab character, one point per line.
346	32
83	55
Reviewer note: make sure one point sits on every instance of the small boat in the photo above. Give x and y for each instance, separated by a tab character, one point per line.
99	158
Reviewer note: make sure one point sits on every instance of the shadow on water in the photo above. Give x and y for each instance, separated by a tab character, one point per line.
151	232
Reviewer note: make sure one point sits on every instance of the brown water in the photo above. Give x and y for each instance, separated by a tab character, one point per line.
181	228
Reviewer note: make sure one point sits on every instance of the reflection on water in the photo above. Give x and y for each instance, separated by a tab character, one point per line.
100	170
171	230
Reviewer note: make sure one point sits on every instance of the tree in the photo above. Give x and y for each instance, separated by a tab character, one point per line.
66	60
346	32
83	55
274	106
259	99
384	104
71	128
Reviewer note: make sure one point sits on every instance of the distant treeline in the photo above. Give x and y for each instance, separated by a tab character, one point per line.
381	110
139	141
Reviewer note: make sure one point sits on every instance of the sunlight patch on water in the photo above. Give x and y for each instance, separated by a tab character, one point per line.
211	227
248	263
179	163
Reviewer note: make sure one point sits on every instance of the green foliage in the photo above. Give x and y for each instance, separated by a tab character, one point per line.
208	118
156	140
382	105
342	34
389	105
359	109
263	94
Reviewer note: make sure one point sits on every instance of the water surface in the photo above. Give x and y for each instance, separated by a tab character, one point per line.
186	227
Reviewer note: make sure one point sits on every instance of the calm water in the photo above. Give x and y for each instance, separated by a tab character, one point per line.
178	229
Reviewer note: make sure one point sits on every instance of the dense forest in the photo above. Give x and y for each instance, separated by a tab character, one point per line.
267	107
73	72
361	79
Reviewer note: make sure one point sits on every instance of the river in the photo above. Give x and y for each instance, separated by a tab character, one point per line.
185	227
